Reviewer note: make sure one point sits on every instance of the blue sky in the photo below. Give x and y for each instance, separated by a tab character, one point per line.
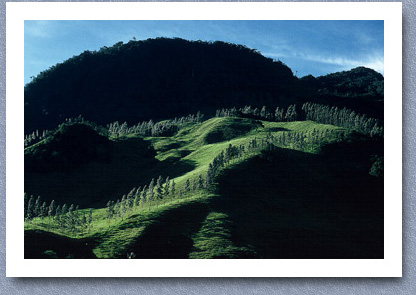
307	47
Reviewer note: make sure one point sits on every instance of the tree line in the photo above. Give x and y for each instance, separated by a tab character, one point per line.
342	117
278	115
149	128
37	136
323	114
157	192
68	218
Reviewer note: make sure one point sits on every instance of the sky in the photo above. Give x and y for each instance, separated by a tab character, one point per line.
307	47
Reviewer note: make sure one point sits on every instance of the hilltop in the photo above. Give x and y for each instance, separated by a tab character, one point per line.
163	78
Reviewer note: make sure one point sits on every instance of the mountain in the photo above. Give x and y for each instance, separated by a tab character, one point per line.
164	78
156	78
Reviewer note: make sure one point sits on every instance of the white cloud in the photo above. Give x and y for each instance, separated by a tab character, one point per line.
275	55
375	62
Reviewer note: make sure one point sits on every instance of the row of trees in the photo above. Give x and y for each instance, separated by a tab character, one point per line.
304	141
159	191
278	115
162	190
66	217
311	111
342	117
37	136
162	128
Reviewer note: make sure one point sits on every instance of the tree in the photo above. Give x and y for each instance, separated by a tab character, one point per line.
130	198
76	215
36	210
51	209
166	188
58	213
172	189
43	210
293	114
187	186
279	114
137	197
263	112
143	195
159	189
123	206
64	210
208	180
70	218
30	208
150	192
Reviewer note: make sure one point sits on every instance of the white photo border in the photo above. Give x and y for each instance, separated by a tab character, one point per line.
389	12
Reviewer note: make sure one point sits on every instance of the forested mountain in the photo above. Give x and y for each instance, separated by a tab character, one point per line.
360	89
164	78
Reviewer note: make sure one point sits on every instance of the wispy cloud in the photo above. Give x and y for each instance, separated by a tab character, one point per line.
275	55
375	61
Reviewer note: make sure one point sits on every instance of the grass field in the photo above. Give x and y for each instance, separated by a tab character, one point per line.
287	204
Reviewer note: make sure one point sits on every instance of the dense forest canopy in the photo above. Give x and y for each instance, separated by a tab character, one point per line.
163	78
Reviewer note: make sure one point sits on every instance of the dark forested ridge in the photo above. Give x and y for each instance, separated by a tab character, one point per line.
360	89
163	78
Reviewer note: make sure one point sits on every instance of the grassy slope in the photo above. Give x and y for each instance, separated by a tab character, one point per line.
197	226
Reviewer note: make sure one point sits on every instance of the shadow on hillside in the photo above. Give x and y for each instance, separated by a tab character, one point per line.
93	184
170	234
45	245
131	163
174	168
174	145
294	205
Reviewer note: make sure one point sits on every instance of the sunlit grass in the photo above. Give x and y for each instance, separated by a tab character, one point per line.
189	145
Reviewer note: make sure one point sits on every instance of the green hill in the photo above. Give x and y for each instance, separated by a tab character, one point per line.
283	186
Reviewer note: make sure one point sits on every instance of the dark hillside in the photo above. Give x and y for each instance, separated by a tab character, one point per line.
154	79
78	165
360	89
44	245
290	204
166	78
69	147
